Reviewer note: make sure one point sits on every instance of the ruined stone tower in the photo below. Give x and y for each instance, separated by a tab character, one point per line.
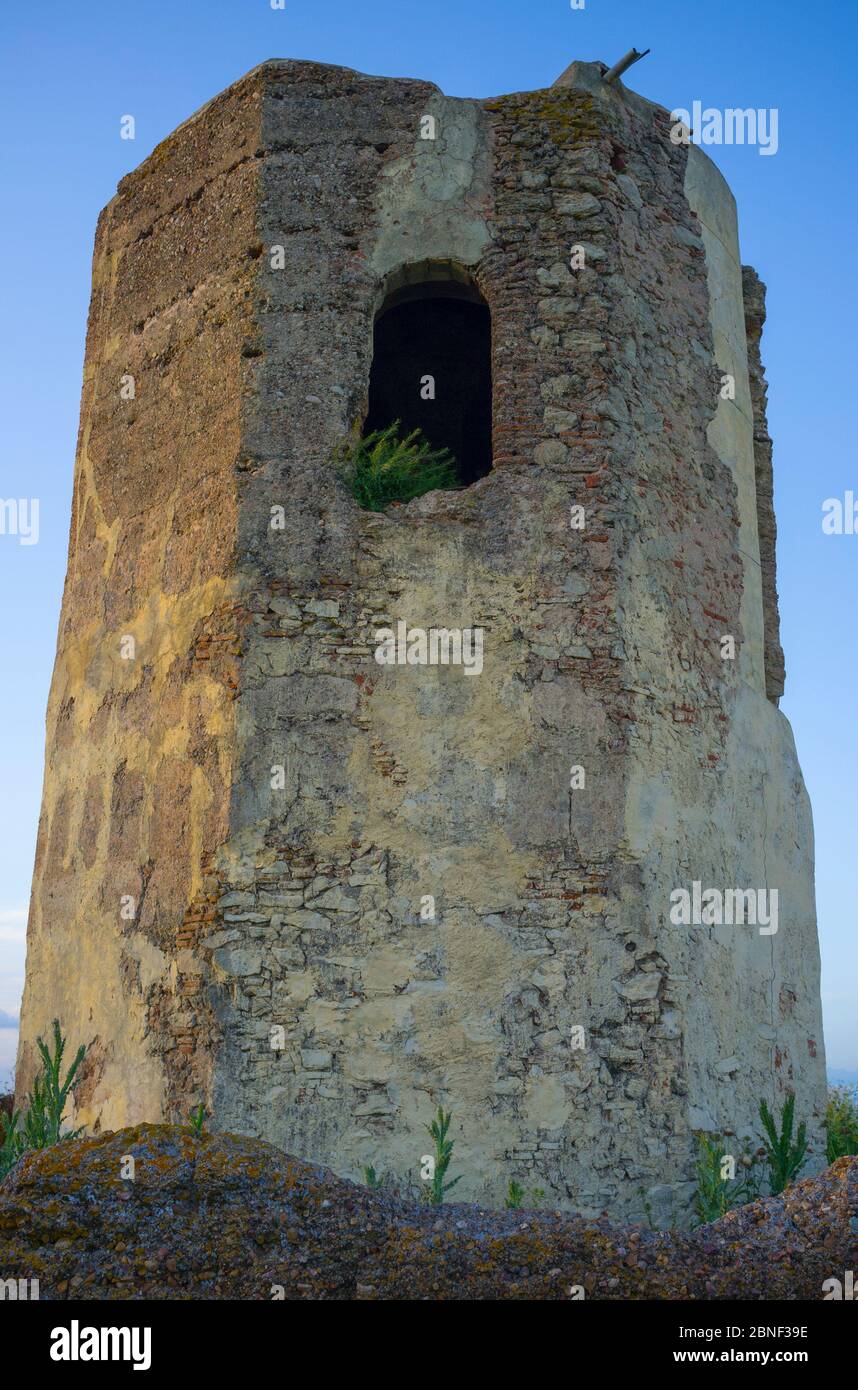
323	894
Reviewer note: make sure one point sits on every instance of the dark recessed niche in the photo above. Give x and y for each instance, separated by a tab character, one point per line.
439	329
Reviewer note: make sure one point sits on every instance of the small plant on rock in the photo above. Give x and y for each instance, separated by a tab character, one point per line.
440	1161
514	1195
717	1193
784	1157
841	1124
198	1118
386	468
47	1100
12	1145
372	1179
46	1103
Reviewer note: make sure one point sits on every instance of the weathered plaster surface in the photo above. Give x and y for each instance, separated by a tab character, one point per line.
297	907
140	750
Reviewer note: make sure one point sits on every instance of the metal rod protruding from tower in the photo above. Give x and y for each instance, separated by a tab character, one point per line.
619	68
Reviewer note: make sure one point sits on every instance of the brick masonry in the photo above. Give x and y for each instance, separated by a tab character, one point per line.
297	907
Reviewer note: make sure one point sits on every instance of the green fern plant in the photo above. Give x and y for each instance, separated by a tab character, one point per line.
46	1103
439	1129
716	1195
387	467
841	1124
784	1156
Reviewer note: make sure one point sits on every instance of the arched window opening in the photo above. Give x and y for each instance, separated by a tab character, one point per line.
431	364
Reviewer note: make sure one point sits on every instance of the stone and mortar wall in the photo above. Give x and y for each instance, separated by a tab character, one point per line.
754	296
298	907
140	750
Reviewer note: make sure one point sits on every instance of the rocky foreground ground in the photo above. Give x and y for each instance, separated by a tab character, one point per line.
222	1216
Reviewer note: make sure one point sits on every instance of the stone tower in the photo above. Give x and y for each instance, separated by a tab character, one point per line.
323	894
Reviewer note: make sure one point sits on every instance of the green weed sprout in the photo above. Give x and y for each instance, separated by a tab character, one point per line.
514	1195
443	1153
197	1118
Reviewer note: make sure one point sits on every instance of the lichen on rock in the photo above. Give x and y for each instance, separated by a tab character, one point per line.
222	1216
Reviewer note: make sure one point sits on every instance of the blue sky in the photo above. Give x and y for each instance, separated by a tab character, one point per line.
71	71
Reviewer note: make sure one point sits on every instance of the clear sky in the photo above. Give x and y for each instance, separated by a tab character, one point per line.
70	71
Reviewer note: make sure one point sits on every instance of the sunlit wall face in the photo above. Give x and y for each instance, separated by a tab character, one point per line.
69	76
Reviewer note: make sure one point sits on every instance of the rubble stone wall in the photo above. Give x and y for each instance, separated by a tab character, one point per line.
287	804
